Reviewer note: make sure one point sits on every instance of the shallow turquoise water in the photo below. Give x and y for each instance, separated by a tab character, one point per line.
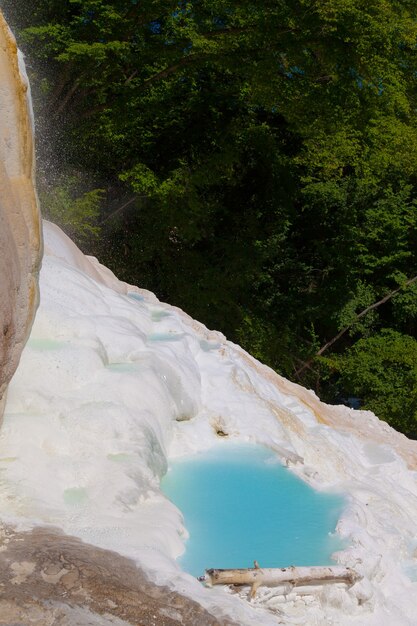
206	346
46	344
135	296
239	505
75	495
159	315
165	336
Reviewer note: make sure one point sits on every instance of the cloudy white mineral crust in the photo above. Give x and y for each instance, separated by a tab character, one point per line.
113	383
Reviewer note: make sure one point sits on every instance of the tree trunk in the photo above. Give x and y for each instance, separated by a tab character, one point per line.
274	577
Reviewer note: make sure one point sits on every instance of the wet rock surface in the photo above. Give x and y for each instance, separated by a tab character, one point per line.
50	579
20	235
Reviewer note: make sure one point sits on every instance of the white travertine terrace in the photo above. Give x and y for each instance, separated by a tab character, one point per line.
20	232
113	383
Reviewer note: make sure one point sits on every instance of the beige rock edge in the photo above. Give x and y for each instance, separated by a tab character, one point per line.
20	230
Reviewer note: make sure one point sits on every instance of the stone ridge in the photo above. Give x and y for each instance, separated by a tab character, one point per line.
20	232
48	578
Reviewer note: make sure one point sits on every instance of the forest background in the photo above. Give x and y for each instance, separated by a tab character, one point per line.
252	162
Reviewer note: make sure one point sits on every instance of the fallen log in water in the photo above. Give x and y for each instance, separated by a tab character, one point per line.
274	577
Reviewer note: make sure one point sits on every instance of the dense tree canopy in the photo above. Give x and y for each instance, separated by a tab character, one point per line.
252	162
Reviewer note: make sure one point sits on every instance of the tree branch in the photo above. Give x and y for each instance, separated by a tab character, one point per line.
171	69
122	208
61	84
65	101
228	31
118	210
340	334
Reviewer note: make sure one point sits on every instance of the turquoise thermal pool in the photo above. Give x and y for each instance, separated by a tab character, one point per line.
240	504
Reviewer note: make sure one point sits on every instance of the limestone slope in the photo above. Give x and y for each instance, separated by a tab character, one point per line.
114	383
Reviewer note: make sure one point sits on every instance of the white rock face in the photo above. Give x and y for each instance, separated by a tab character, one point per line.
20	232
112	383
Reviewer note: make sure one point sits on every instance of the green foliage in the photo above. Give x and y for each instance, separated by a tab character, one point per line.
382	371
77	214
363	296
142	180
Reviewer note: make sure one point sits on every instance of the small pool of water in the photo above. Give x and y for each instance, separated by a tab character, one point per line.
157	315
75	495
207	346
46	344
240	504
135	296
165	336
